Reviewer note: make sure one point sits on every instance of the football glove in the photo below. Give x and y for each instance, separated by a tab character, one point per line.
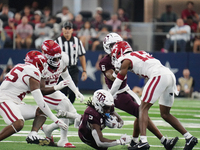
61	124
113	123
79	96
125	139
61	85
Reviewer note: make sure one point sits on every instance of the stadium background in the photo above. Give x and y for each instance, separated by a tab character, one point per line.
146	36
145	32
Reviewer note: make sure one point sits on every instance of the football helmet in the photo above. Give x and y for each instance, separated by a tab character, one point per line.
37	59
119	49
102	98
110	40
52	51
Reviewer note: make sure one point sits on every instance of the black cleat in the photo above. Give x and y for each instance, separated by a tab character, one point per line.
169	144
41	142
140	146
190	143
132	143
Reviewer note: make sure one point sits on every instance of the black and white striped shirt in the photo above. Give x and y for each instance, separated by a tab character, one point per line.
73	48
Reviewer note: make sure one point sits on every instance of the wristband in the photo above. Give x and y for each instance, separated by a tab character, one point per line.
84	71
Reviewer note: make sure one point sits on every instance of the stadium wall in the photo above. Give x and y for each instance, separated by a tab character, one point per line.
175	61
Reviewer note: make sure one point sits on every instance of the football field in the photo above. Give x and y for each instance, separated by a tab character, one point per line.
186	110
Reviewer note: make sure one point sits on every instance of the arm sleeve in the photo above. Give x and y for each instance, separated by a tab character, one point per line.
103	144
116	85
37	95
66	76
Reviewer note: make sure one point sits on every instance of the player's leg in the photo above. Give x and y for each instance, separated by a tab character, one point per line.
33	112
166	101
12	116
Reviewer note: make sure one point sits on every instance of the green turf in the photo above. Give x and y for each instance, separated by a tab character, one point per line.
186	110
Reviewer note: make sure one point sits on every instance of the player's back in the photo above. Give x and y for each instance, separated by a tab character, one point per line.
16	83
144	64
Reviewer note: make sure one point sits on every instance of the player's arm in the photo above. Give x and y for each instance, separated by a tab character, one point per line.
110	74
49	90
120	76
104	142
66	77
37	95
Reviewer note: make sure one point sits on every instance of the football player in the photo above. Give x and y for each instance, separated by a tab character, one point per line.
57	66
22	79
125	99
161	85
94	121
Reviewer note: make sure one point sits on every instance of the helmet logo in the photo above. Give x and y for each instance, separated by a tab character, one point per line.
101	97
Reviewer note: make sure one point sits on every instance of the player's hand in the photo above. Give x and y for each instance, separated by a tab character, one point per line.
125	139
79	96
61	85
61	124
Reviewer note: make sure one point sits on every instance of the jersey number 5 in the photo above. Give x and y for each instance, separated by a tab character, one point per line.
13	75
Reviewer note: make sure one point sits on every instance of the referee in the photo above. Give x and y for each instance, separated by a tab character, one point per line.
73	47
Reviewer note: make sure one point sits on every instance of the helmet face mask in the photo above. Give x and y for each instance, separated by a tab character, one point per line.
102	100
110	40
37	59
119	49
53	52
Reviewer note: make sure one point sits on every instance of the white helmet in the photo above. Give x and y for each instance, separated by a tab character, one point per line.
102	98
111	38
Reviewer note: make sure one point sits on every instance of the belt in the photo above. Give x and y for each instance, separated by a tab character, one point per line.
73	66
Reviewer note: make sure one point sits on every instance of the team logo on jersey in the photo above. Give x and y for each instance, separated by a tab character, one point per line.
36	73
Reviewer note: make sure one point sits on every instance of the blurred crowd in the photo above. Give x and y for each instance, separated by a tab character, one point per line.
185	32
31	26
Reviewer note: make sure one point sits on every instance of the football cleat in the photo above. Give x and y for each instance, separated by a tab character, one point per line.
36	139
69	145
140	146
52	143
169	144
132	143
190	143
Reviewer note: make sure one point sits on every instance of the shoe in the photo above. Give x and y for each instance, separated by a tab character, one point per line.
52	143
132	143
62	143
36	139
190	143
46	131
140	146
169	144
69	145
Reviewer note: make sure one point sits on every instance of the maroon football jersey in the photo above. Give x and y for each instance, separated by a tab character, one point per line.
91	116
105	64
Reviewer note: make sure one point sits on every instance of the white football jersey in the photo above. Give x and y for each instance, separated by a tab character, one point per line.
50	76
16	83
143	64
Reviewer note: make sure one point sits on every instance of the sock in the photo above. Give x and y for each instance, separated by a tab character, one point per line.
135	139
50	129
187	135
143	139
162	139
63	133
32	133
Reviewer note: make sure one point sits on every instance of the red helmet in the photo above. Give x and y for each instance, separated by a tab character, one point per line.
37	59
119	49
52	51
